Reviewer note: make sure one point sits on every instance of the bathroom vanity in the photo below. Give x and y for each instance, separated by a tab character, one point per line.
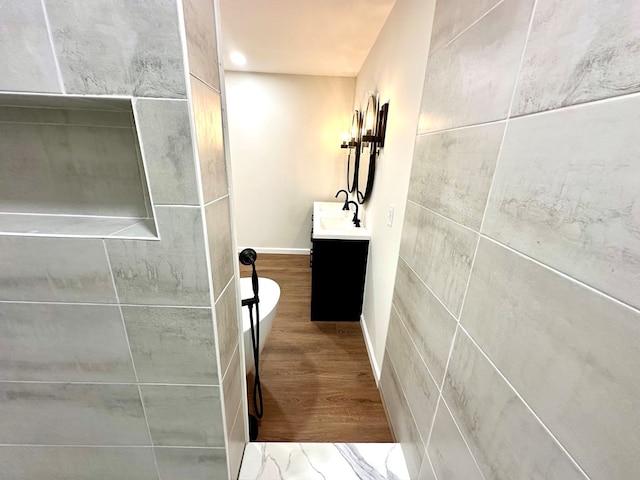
338	263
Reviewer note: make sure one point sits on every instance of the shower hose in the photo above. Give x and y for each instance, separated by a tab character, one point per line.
248	257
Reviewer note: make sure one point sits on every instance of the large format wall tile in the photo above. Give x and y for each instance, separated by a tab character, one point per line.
165	135
452	171
505	438
440	252
26	55
430	326
420	390
227	324
543	329
236	442
452	17
77	463
208	125
69	343
404	428
472	79
594	55
449	455
71	414
566	193
54	269
221	249
172	345
200	24
172	271
184	415
118	47
191	463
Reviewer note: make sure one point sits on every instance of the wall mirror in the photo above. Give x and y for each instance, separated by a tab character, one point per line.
366	166
353	157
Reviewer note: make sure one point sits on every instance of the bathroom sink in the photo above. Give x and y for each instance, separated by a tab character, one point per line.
331	222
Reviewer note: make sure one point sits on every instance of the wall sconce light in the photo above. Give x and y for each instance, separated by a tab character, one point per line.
352	139
375	122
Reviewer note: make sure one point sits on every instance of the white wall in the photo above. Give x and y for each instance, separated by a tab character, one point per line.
284	134
395	68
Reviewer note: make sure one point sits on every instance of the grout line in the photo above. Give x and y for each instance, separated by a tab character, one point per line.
127	228
444	402
38	445
564	275
524	402
59	124
90	304
460	127
465	30
133	365
443	217
67	215
231	280
151	384
433	470
53	48
453	316
217	200
205	83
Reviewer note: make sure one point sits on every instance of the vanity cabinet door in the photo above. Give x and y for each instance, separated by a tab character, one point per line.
337	279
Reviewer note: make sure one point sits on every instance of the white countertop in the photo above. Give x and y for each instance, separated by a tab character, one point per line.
327	461
330	222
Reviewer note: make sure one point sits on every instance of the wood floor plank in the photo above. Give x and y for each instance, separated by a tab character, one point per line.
317	382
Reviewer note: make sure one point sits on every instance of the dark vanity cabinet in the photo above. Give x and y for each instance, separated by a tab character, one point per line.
338	269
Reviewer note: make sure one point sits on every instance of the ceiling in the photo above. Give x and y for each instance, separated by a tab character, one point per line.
306	37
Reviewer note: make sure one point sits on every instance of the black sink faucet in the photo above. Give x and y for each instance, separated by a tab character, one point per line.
356	220
346	199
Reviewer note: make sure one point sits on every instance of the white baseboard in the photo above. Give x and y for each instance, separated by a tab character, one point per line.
372	358
279	251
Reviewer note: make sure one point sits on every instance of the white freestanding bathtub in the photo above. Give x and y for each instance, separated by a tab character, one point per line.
269	295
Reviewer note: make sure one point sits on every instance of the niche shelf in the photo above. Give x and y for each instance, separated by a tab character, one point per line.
72	167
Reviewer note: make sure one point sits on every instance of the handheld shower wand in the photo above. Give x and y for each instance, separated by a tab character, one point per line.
248	256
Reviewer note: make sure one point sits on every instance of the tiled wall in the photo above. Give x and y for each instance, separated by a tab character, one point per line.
514	336
109	366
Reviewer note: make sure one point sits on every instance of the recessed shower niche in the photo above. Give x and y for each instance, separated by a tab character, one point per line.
72	166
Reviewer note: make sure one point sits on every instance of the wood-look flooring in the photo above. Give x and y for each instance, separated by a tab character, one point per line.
317	382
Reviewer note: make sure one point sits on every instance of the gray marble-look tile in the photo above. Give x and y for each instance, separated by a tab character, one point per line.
71	414
540	328
172	271
221	249
472	79
26	55
62	169
207	113
172	345
70	103
452	171
184	415
449	455
566	193
68	343
236	443
200	26
118	47
452	17
439	251
420	390
72	114
504	436
227	323
430	326
232	390
54	269
402	424
165	134
191	463
311	461
77	463
595	49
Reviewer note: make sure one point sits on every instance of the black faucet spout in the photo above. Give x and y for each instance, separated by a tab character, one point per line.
355	220
346	199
